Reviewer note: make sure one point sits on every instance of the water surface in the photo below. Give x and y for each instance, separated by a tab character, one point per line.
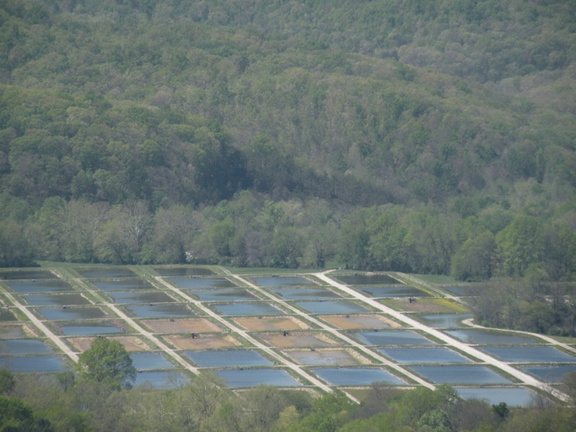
72	313
423	355
105	272
529	354
123	284
393	337
24	347
446	320
150	361
39	286
183	271
171	310
304	293
247	308
517	396
131	297
55	299
227	358
394	291
160	379
200	283
241	378
455	374
478	336
356	376
280	281
222	294
550	373
331	307
31	364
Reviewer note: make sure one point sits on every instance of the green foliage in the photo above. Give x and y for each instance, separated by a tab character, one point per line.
107	361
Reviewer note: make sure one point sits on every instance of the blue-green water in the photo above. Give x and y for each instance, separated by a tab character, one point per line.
72	313
223	294
394	291
304	293
134	297
227	358
392	337
280	281
30	364
90	330
240	378
123	284
105	272
478	336
200	283
149	361
24	347
423	355
247	309
183	271
364	279
173	310
455	374
39	286
331	307
356	376
529	354
55	299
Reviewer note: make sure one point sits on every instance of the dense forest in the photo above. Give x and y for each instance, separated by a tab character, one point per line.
434	136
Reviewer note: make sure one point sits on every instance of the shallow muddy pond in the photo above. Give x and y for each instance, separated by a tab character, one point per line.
160	379
105	273
516	396
229	294
26	274
55	299
394	291
393	337
241	378
423	355
280	281
149	361
130	297
529	354
550	373
304	293
124	284
33	364
247	308
356	376
455	374
172	310
331	307
183	271
90	330
24	347
200	283
71	313
227	358
323	357
39	286
477	336
364	279
445	320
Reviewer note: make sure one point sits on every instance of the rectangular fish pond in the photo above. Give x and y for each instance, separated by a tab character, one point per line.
200	283
550	373
24	347
92	329
39	286
55	299
304	293
423	355
253	377
169	310
227	358
280	281
105	272
392	337
71	313
323	357
512	396
123	284
135	297
487	337
26	274
183	271
356	376
150	361
529	354
456	374
221	294
331	307
33	364
247	309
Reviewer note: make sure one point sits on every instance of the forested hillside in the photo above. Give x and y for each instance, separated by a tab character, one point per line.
431	136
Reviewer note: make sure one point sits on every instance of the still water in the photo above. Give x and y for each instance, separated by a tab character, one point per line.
356	376
240	378
472	374
227	358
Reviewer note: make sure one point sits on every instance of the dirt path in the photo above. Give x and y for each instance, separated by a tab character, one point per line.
520	376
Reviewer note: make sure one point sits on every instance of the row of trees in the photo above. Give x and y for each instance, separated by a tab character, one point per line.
250	230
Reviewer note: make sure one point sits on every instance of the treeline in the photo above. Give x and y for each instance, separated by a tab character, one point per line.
251	230
62	403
